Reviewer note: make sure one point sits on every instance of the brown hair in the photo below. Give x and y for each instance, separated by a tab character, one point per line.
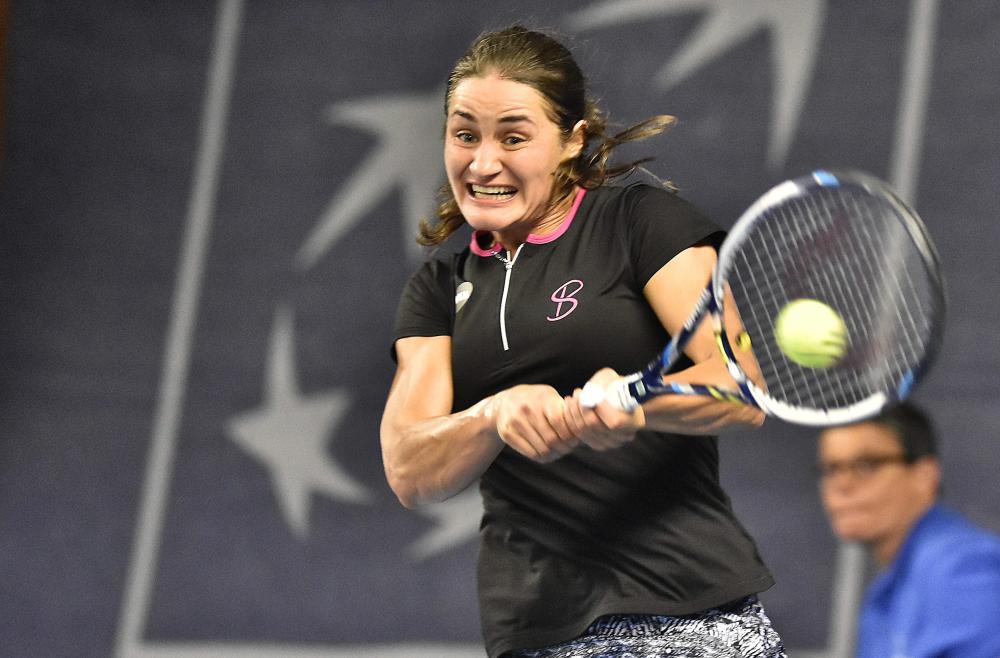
539	61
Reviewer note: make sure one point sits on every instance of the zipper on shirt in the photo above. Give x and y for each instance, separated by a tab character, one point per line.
508	264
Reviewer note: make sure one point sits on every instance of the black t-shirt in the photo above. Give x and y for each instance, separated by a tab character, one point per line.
642	529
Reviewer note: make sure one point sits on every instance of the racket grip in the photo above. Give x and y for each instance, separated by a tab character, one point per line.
617	395
591	395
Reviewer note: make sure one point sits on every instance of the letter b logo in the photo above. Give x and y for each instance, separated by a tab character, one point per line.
564	298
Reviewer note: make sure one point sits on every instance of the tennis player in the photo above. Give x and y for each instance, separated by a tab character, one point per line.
605	533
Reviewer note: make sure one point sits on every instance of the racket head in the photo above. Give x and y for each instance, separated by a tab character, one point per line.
845	239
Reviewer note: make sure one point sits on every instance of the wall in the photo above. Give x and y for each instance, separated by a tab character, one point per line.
207	213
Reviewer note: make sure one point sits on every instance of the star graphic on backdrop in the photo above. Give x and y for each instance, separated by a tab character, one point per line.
288	434
407	155
795	29
456	522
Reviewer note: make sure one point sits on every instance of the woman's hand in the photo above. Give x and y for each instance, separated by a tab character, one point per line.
531	419
603	427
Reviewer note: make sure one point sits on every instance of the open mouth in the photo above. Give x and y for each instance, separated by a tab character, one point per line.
492	192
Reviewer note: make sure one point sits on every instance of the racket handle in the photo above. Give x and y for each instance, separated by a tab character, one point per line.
591	395
617	395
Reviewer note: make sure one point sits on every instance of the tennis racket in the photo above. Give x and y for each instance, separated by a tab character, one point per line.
841	238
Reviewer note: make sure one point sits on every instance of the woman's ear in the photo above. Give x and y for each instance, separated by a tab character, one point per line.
577	138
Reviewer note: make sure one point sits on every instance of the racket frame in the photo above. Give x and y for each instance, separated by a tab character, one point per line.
634	389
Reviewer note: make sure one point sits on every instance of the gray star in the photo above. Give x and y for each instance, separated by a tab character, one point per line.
289	434
456	522
407	155
795	28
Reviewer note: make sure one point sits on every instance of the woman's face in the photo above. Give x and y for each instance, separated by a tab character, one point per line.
501	153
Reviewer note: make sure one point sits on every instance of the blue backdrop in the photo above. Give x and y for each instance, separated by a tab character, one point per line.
207	218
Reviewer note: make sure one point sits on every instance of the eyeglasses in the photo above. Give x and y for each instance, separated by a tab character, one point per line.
861	468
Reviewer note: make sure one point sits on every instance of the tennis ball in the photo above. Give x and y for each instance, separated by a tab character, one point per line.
810	333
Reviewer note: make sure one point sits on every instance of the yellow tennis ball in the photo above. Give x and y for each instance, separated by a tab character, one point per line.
811	333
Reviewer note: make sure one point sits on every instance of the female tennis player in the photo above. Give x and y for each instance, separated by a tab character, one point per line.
605	533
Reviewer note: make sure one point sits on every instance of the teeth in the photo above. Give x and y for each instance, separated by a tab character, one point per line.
497	190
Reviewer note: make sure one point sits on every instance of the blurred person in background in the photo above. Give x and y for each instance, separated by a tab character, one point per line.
937	592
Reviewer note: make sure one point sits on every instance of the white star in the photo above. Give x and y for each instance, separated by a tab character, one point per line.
408	154
795	28
289	434
456	522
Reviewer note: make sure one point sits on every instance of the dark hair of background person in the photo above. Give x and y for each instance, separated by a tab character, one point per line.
913	428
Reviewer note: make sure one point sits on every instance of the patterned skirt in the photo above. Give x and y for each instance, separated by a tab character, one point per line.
737	630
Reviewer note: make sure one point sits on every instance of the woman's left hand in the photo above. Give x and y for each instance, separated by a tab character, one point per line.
603	427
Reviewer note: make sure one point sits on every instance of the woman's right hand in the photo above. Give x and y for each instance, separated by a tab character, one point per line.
531	419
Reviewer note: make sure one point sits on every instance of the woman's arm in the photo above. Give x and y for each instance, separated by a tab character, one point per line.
672	293
430	454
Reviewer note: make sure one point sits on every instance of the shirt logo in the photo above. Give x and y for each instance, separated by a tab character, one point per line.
462	294
564	294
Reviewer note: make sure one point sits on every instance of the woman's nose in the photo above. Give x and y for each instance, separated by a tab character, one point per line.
486	161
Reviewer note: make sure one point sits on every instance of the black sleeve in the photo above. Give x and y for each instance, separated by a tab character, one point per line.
427	306
660	226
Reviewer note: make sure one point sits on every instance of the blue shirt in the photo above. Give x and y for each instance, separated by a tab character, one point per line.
939	598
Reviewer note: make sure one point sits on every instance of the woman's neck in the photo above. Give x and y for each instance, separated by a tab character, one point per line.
514	237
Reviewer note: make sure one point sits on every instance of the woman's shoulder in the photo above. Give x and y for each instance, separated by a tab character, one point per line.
640	197
438	270
635	190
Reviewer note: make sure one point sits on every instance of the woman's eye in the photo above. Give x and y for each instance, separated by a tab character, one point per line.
465	137
513	140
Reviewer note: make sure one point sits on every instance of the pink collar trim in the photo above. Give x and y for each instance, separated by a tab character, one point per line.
496	247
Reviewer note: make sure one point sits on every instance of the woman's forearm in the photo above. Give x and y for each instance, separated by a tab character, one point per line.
698	414
432	459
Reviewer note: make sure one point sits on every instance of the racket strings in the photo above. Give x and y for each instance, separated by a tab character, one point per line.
896	278
851	250
855	263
